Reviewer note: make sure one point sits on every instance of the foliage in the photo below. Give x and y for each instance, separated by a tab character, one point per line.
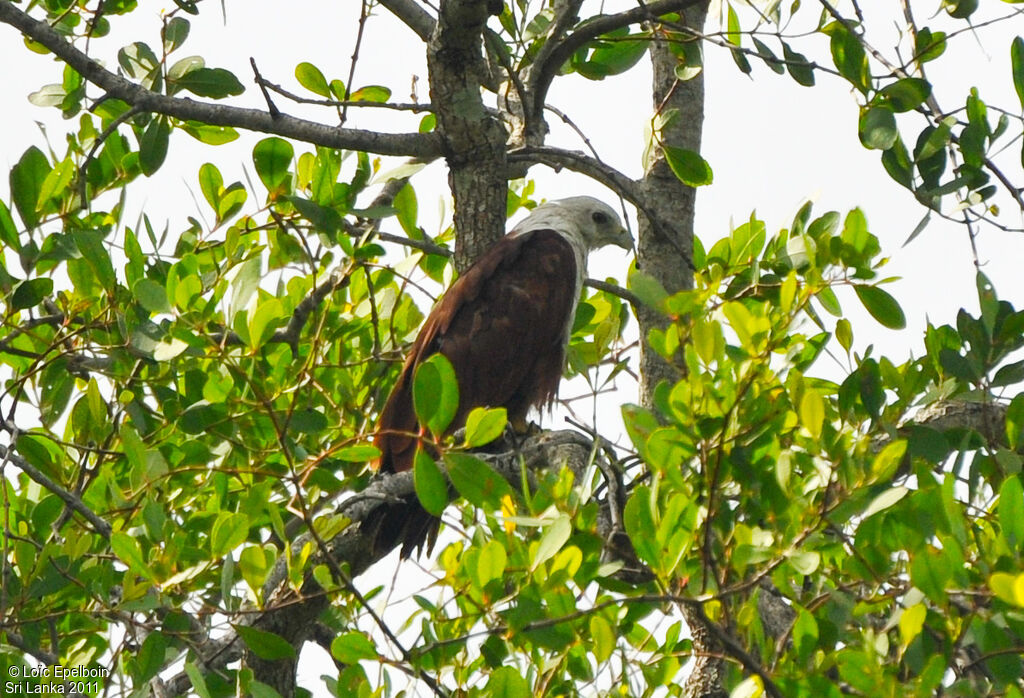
181	399
889	540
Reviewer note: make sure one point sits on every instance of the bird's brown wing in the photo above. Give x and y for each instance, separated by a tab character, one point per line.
502	325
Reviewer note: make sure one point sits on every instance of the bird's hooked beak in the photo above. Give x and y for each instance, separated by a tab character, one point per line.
624	240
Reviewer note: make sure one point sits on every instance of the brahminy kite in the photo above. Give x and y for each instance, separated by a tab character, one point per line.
504	325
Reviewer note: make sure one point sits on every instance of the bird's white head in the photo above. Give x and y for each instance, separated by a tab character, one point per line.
594	222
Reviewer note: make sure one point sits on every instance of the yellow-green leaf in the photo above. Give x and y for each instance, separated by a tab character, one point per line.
484	425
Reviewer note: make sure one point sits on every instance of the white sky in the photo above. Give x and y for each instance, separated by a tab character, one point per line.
772	144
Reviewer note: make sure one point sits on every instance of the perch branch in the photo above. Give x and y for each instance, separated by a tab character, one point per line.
413	144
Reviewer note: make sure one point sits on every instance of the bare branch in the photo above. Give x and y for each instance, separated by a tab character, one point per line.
557	158
414	16
101	526
413	144
544	73
622	293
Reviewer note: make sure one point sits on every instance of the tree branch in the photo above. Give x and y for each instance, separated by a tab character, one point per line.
629	189
6	454
291	614
544	72
557	158
414	16
413	144
474	139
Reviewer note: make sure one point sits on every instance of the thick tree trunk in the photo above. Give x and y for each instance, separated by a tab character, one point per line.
669	199
474	138
670	261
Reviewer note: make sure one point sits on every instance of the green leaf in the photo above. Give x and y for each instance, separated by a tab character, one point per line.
254	688
174	33
603	636
805	562
310	77
907	94
263	320
430	483
935	141
1015	422
911	623
800	69
885	464
555	536
877	128
308	421
211	183
184	66
151	296
609	57
769	58
265	645
1011	512
371	93
507	682
198	682
484	425
353	647
153	145
812	412
1017	67
255	563
896	161
139	62
229	532
215	83
689	167
647	288
337	89
733	35
26	181
961	9
882	306
150	659
8	229
273	158
1008	587
929	45
30	293
407	210
435	394
849	57
885	500
127	549
844	333
48	96
360	453
741	61
491	563
476	482
168	349
211	135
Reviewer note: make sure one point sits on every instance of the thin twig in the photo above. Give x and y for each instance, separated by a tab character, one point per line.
409	144
355	59
101	526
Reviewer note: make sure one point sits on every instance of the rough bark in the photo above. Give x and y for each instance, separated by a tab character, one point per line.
474	138
669	260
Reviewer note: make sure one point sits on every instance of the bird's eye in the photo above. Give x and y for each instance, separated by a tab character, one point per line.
599	217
